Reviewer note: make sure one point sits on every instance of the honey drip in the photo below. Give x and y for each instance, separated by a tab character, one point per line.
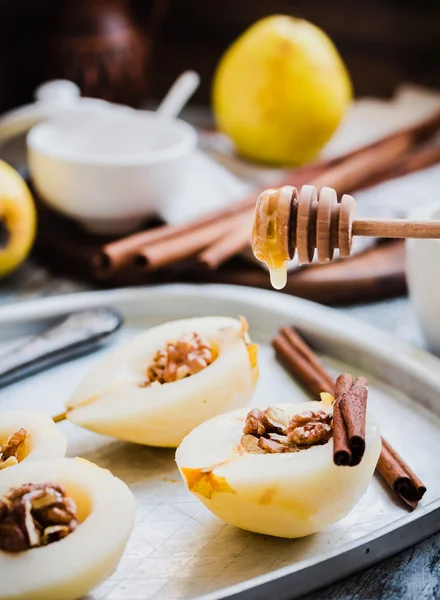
270	235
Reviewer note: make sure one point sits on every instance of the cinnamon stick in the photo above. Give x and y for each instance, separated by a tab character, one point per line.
379	157
418	132
351	170
344	176
297	343
185	243
390	466
296	361
350	408
421	157
354	171
399	476
226	246
179	247
341	448
115	256
354	411
367	166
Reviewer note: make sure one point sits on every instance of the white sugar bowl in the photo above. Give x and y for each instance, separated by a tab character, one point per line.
109	169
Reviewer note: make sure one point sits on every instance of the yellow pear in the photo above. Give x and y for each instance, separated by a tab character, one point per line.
17	219
117	399
285	495
70	567
38	436
280	91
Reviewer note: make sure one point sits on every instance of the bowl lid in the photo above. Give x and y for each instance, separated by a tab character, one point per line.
51	99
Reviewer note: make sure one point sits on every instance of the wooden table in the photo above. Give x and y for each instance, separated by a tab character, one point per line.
413	573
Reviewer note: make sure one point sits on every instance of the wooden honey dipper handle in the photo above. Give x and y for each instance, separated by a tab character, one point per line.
332	224
396	228
290	219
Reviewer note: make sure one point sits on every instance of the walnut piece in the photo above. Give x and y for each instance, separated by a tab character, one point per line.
260	422
35	515
254	424
310	428
9	451
274	446
250	443
269	431
185	357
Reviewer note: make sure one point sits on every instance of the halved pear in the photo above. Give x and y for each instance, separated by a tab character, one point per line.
18	219
287	495
71	567
42	439
114	400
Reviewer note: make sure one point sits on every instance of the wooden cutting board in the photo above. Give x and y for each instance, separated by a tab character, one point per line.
374	275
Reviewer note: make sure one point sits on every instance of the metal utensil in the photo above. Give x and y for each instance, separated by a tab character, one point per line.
78	334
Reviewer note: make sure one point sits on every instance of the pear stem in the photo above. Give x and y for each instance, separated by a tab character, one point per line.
61	417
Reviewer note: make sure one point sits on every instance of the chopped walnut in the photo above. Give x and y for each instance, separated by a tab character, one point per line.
310	428
35	515
274	446
250	443
254	424
309	416
9	451
260	422
270	431
185	357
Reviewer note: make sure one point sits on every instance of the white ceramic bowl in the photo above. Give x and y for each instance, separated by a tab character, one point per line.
109	169
423	275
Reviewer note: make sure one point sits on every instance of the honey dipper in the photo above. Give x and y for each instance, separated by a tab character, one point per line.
290	219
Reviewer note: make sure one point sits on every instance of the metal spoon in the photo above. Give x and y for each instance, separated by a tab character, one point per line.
78	334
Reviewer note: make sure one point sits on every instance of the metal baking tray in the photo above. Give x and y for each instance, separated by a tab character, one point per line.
178	548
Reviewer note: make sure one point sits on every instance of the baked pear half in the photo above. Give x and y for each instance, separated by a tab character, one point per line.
157	387
28	435
63	527
271	470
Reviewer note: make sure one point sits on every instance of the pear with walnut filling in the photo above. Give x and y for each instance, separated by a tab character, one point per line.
157	387
272	472
28	435
64	525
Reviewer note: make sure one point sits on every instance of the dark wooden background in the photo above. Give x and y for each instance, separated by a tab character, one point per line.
383	42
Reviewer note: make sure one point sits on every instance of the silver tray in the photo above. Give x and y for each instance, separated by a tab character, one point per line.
178	549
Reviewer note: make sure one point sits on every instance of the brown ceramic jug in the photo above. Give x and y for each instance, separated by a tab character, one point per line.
98	45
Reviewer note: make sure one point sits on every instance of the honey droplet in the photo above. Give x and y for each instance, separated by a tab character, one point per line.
278	277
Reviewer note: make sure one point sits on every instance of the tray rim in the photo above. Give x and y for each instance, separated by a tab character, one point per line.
317	320
400	354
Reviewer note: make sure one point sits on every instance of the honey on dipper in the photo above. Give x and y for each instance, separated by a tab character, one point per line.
270	235
288	219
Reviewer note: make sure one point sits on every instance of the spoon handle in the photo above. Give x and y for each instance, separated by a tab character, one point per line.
179	94
78	334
